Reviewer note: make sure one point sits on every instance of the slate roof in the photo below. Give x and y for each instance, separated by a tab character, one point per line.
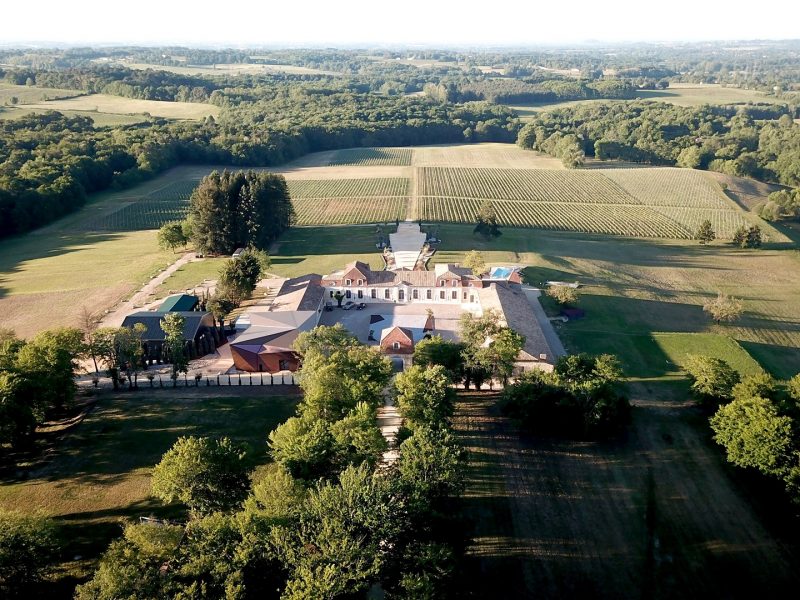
299	293
193	322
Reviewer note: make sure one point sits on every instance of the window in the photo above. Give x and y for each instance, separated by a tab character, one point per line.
360	294
428	294
283	365
348	282
415	294
471	298
348	294
360	282
455	295
396	345
331	293
401	294
455	282
442	283
373	293
387	293
465	295
441	295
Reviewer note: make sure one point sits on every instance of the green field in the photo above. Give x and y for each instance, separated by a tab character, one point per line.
372	157
98	476
678	346
343	201
668	203
633	289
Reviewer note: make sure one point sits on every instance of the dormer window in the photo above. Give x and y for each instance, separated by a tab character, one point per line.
348	282
396	345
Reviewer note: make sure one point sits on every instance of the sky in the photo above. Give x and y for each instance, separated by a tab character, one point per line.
430	23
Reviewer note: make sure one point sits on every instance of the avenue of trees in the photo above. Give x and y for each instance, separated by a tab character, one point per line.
325	519
756	418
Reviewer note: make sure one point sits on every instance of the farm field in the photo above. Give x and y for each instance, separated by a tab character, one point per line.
343	201
27	94
372	157
104	103
98	475
633	202
100	119
229	69
680	94
656	515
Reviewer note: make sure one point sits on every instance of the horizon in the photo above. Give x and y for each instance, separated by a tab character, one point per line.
357	23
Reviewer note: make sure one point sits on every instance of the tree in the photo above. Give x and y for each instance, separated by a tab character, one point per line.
239	276
747	237
206	475
562	294
758	385
52	356
473	260
424	396
357	438
27	549
171	235
276	495
120	348
490	349
435	350
705	234
431	467
755	435
487	221
714	379
220	306
793	387
304	446
322	341
724	308
175	344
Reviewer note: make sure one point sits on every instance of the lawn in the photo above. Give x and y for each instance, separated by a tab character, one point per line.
27	94
634	288
47	278
104	103
98	475
190	275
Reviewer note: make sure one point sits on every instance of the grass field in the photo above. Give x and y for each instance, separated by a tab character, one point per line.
189	276
99	474
100	119
104	103
27	94
635	288
657	514
678	346
681	94
342	201
231	69
633	202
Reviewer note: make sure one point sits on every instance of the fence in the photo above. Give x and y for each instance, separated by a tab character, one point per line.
198	380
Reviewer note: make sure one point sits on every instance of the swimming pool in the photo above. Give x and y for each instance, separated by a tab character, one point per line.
501	272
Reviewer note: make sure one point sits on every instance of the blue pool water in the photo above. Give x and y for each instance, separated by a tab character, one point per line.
500	272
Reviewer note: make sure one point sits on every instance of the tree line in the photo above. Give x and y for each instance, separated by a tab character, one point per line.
733	140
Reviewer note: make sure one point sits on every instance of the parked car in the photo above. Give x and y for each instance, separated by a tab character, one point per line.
361	306
348	305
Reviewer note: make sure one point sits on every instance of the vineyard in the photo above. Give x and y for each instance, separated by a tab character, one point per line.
667	203
372	157
169	203
348	188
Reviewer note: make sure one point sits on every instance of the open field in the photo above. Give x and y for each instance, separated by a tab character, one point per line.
98	474
230	69
372	157
633	202
342	201
632	289
680	94
100	119
104	103
28	94
657	514
678	346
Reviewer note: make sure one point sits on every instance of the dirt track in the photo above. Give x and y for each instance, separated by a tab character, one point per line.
653	516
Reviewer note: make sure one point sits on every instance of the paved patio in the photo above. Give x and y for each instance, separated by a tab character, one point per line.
406	245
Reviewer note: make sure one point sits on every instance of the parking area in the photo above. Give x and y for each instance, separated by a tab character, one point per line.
357	321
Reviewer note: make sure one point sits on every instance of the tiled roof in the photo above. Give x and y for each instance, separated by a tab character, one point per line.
515	309
299	293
